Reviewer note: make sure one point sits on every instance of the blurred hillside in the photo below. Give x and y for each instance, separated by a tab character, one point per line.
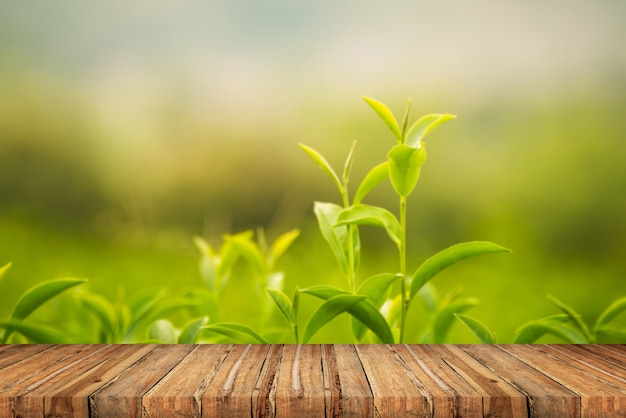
145	123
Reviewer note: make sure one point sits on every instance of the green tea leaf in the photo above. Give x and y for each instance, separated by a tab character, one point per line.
327	214
34	297
445	317
610	313
283	303
347	168
375	287
324	165
371	180
385	114
405	164
163	331
4	269
422	127
531	332
250	251
365	312
484	334
610	335
448	257
35	333
191	331
405	120
371	215
283	242
575	317
104	311
237	332
329	310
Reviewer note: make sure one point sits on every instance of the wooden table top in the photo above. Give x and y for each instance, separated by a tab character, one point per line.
312	380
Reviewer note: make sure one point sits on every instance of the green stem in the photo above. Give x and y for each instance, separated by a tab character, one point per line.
295	332
403	264
350	232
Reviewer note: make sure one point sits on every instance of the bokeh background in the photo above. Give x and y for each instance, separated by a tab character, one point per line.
126	128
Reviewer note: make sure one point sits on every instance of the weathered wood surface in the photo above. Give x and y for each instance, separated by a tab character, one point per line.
312	381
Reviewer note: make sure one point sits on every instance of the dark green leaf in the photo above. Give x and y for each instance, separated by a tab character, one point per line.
327	214
365	312
104	311
611	335
405	164
423	126
448	257
610	313
321	161
329	310
385	114
484	334
238	333
371	180
371	215
283	303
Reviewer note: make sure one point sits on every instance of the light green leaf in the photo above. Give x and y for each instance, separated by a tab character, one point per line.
575	317
191	331
4	269
104	311
283	242
329	310
371	180
37	295
484	334
385	114
405	120
445	317
327	214
422	127
237	332
163	331
375	287
448	257
35	333
365	312
610	313
324	165
283	303
250	251
405	164
347	168
531	332
371	215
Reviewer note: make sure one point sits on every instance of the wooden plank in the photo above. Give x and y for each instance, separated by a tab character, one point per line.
608	353
500	399
397	391
263	402
179	393
12	353
346	376
30	396
299	390
582	358
25	376
71	399
546	398
451	395
122	396
230	392
598	396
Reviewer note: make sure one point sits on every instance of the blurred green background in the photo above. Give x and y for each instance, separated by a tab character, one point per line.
126	128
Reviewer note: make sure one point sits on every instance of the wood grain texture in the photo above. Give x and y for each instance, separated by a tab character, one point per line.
312	381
